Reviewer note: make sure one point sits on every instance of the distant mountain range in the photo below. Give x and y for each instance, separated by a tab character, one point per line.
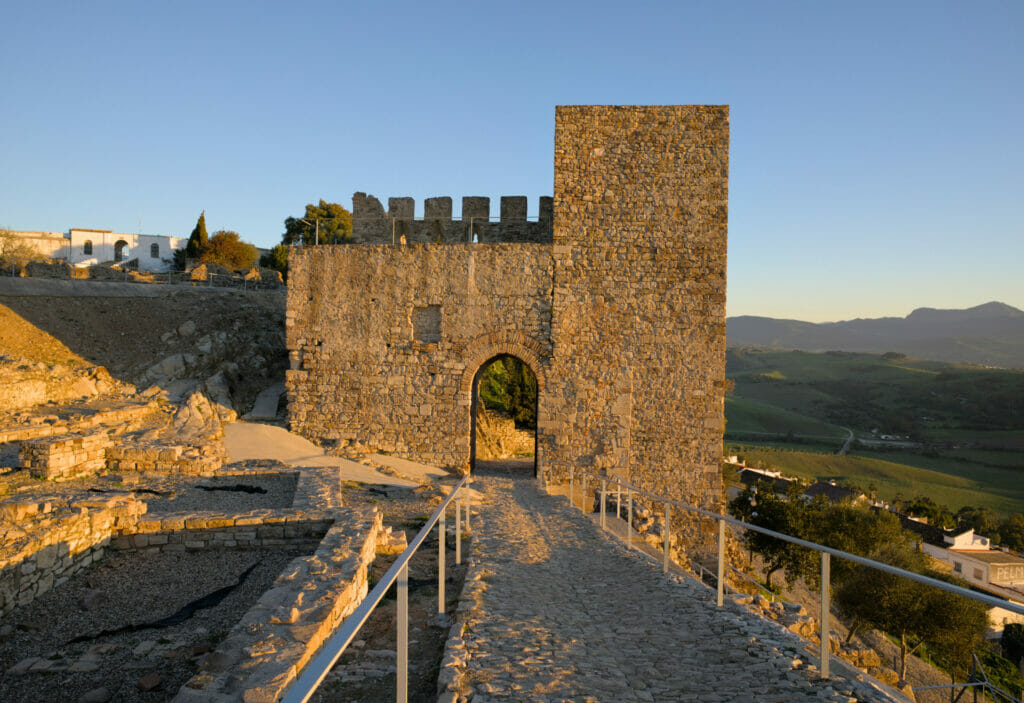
991	334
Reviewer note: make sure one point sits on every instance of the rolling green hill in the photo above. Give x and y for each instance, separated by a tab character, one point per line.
962	427
951	483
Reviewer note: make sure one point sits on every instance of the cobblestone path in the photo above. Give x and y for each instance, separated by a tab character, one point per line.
554	610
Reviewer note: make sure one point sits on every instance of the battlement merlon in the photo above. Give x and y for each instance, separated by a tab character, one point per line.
371	224
512	208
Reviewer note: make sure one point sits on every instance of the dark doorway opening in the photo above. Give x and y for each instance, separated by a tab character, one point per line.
503	414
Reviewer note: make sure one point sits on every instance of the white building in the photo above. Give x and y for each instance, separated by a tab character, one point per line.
986	569
85	247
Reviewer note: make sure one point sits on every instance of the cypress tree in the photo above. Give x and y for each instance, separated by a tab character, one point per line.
197	241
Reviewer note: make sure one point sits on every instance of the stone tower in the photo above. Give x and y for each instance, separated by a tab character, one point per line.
617	303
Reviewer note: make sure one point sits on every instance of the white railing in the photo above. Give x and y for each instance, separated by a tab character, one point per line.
313	675
723	520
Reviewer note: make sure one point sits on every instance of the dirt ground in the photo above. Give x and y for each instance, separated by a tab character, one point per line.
124	334
20	339
121	590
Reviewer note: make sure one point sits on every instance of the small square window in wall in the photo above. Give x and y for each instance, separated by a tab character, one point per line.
426	324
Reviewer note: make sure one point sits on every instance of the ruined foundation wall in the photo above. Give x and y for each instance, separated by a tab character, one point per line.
385	340
636	384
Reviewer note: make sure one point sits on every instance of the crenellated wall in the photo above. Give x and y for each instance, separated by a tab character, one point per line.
372	225
619	309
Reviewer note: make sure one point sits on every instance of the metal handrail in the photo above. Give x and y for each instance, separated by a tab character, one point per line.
315	671
826	552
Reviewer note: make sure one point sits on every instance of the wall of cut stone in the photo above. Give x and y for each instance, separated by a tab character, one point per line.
385	340
42	544
636	384
622	316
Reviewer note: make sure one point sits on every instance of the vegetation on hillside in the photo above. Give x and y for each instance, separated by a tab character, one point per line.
509	386
225	248
888	392
960	428
914	614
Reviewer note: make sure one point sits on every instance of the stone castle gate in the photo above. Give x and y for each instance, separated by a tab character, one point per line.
615	298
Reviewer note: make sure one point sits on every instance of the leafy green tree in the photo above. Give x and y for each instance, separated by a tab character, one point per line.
198	240
911	612
1011	532
983	521
857	530
788	515
277	259
335	225
509	386
227	249
1012	642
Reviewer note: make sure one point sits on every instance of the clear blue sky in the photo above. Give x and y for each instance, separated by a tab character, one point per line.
877	156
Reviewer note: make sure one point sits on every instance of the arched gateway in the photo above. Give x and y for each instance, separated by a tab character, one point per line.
614	297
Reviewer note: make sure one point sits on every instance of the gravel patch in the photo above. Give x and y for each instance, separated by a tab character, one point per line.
124	589
190	497
171	493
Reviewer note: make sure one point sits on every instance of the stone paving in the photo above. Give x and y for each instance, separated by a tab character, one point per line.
554	610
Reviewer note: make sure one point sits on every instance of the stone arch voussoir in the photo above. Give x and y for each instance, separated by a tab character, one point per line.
511	343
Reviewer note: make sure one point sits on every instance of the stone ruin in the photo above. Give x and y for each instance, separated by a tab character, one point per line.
614	296
74	444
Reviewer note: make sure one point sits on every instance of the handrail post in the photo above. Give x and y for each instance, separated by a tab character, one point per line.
402	623
440	564
667	537
618	500
468	502
572	483
604	492
721	562
825	566
583	501
458	530
629	521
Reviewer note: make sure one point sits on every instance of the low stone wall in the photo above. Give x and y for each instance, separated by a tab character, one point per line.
192	531
42	544
119	420
66	458
177	459
277	637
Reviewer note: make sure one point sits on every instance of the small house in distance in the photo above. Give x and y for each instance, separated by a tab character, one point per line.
971	558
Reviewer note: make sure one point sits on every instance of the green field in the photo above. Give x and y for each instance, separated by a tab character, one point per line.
950	483
968	422
750	416
890	393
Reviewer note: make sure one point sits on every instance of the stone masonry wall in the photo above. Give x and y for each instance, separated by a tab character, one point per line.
636	385
622	317
43	545
361	329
